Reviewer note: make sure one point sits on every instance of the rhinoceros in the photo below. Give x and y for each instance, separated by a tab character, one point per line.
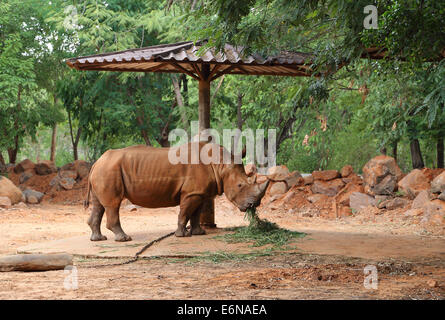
145	176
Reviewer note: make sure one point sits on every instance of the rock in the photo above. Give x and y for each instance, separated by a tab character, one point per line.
8	189
278	173
318	197
68	174
67	183
24	176
413	212
250	169
329	188
393	204
309	179
24	166
353	178
344	211
45	167
325	175
21	205
441	196
422	198
294	179
359	200
278	188
343	198
132	207
82	167
3	168
380	175
33	196
346	171
413	183
438	184
68	166
5	202
54	181
434	213
261	178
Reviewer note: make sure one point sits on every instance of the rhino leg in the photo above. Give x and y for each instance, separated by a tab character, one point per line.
195	223
114	224
95	219
187	207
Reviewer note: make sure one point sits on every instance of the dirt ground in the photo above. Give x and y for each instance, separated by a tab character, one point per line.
326	264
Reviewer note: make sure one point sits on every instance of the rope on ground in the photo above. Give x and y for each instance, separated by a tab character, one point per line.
136	256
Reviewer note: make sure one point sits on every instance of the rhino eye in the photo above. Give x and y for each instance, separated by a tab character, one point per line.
239	185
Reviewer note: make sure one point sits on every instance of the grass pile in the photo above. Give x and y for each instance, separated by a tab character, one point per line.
260	232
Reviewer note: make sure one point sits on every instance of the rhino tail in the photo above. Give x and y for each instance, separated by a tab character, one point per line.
86	202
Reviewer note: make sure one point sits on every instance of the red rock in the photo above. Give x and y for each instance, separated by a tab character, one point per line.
343	198
325	175
358	201
9	190
82	167
413	183
329	188
438	184
45	167
318	197
393	204
68	174
261	178
250	169
5	202
422	198
434	213
294	179
278	173
346	171
380	175
309	179
353	178
67	183
24	166
278	188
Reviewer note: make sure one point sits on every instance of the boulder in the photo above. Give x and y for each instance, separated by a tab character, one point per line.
32	196
5	202
68	174
353	178
434	213
317	198
294	179
326	175
441	196
250	169
8	189
82	167
261	178
24	176
413	212
392	204
67	183
309	179
278	173
380	175
278	188
24	166
346	171
45	167
413	183
343	198
329	188
438	184
68	166
422	198
359	200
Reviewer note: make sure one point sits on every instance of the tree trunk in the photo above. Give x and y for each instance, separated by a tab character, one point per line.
74	140
383	150
52	156
416	154
180	101
440	150
12	152
2	160
143	131
394	150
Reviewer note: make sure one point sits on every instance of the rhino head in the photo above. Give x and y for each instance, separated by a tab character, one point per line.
240	189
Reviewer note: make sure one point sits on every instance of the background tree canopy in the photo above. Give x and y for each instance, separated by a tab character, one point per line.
356	107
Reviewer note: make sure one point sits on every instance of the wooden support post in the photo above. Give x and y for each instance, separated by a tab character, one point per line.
208	207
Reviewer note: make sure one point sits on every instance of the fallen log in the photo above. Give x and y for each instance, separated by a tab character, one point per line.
35	262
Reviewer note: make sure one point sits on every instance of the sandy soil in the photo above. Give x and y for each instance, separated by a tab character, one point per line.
327	264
